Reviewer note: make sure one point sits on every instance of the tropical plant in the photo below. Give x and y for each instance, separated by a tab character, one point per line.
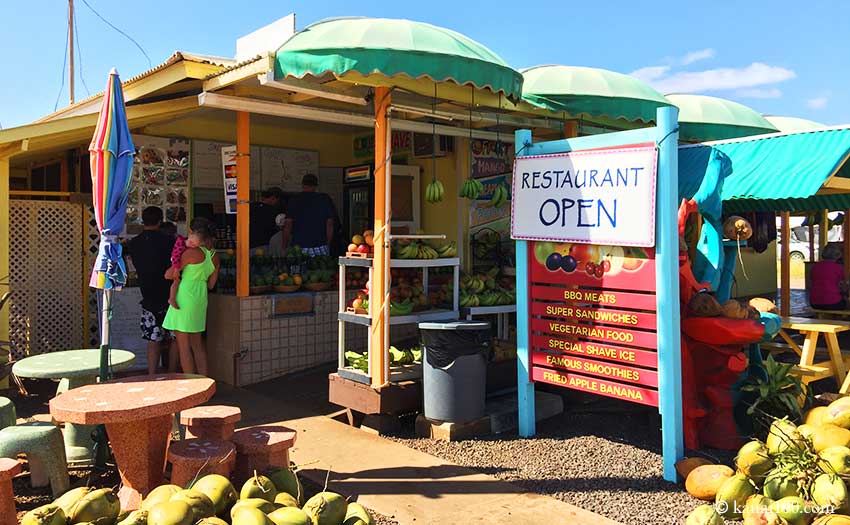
779	394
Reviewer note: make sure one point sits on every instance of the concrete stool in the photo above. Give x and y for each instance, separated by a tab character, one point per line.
8	416
191	458
211	422
9	468
262	448
45	450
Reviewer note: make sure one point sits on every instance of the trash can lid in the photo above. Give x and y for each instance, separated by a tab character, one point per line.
455	325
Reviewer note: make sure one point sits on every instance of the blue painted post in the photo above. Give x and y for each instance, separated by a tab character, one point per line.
525	388
667	291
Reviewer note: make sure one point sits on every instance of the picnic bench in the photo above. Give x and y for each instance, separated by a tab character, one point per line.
812	330
831	314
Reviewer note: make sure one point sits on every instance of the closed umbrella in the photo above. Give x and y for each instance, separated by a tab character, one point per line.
112	153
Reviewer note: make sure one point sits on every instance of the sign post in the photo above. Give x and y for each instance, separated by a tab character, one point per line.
594	220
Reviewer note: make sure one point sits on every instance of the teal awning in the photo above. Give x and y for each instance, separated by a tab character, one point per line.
391	47
779	172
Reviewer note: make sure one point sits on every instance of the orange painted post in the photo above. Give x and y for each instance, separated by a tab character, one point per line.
380	261
785	265
570	129
243	208
823	232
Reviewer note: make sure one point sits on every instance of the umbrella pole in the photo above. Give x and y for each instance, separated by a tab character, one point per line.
101	452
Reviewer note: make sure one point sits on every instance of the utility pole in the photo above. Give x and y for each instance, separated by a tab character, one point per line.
71	45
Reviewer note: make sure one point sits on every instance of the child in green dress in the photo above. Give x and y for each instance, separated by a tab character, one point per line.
187	319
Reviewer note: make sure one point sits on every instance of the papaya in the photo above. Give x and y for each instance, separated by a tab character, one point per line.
704	481
685	466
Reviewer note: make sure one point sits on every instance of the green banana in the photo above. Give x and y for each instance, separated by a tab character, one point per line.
434	191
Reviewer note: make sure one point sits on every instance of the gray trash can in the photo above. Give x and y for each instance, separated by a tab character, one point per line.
454	369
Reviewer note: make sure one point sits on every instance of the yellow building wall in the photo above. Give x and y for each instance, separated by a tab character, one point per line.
760	269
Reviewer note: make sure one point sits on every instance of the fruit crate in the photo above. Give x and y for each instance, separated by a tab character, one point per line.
346	315
358	255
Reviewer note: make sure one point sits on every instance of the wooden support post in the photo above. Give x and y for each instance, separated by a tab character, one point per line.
823	232
243	206
4	249
380	263
812	238
785	265
570	129
846	237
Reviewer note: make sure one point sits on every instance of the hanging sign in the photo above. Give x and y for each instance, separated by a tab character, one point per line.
228	168
604	197
592	319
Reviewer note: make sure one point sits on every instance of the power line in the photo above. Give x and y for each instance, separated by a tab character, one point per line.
64	64
79	53
107	22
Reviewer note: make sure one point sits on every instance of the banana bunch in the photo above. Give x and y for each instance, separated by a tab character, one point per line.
468	301
471	189
408	251
472	285
434	191
500	196
447	250
404	307
426	252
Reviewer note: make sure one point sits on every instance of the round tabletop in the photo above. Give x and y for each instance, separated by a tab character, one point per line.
70	363
131	399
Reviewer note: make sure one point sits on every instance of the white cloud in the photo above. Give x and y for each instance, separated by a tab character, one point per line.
695	56
817	102
756	74
758	93
650	73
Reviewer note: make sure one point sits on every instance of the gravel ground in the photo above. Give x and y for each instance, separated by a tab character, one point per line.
604	457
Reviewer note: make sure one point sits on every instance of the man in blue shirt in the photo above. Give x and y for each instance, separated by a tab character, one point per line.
310	219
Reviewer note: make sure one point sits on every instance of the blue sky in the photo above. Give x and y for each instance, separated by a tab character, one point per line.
779	57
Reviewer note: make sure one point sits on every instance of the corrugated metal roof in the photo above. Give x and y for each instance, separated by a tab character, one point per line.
237	65
175	57
780	172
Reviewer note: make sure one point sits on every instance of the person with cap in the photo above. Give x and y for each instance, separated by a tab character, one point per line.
276	247
263	215
310	219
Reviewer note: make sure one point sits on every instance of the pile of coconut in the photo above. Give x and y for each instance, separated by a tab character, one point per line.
798	476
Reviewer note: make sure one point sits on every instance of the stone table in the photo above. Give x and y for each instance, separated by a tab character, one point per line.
137	412
73	368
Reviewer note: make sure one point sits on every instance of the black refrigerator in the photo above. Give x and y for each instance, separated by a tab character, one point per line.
358	200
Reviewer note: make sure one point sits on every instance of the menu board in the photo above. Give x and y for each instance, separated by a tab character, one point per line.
285	167
491	158
592	319
206	164
161	176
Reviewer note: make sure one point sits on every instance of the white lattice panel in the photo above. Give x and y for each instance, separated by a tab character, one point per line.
90	246
46	276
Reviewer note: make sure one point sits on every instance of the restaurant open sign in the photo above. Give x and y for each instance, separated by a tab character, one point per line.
598	197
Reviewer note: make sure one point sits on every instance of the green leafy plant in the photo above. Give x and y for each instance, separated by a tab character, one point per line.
778	395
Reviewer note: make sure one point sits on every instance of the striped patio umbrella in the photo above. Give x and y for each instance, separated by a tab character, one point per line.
112	153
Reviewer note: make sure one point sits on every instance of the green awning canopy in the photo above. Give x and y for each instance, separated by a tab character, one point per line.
395	47
779	172
791	124
703	118
592	92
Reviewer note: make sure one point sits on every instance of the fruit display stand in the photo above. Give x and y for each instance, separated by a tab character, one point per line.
502	313
365	319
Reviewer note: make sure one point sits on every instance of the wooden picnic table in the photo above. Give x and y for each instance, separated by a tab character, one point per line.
812	330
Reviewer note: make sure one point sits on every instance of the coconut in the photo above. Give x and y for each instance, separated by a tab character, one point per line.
702	515
258	487
703	482
356	514
685	466
794	509
171	513
290	516
285	499
807	430
286	480
254	503
835	460
161	494
782	435
201	505
753	460
67	501
212	520
832	519
732	496
777	485
829	490
219	490
100	507
50	514
828	435
137	517
815	416
755	506
837	413
250	516
326	508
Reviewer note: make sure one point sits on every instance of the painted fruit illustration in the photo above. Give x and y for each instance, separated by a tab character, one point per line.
568	263
553	262
542	250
